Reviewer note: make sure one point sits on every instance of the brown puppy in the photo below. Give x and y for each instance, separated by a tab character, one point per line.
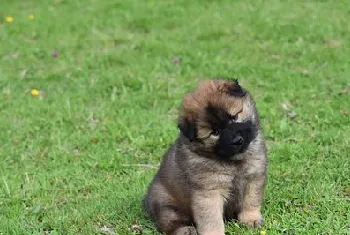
216	169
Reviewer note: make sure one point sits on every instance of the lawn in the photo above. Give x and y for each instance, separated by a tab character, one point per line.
76	158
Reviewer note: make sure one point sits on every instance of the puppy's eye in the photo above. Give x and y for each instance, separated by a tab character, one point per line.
233	118
215	133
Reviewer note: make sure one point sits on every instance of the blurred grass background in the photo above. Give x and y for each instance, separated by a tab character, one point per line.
77	158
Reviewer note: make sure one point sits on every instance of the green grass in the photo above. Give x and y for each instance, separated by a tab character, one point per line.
70	159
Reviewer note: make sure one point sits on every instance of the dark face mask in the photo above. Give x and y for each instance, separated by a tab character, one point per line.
235	139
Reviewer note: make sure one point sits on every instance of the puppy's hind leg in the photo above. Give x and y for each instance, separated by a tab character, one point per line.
186	230
166	214
171	221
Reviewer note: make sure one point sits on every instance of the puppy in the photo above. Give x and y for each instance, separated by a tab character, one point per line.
216	168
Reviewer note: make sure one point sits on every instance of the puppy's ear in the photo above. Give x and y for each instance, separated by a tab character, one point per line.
187	128
236	90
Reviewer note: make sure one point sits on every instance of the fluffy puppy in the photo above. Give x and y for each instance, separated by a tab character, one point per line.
216	168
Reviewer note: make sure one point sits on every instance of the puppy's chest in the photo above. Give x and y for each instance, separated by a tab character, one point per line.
230	186
217	180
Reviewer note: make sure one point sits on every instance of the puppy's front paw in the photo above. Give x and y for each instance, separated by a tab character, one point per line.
252	219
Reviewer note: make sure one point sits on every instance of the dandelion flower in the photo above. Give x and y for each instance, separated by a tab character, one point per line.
9	19
31	17
35	92
263	232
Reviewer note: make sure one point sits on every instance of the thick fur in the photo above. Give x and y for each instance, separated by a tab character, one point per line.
216	169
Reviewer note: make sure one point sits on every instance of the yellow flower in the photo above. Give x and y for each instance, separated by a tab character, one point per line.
9	19
35	92
31	17
263	233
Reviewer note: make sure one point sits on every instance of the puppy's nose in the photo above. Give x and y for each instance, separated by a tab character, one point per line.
237	140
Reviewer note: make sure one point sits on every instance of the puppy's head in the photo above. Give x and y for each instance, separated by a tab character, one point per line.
219	119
